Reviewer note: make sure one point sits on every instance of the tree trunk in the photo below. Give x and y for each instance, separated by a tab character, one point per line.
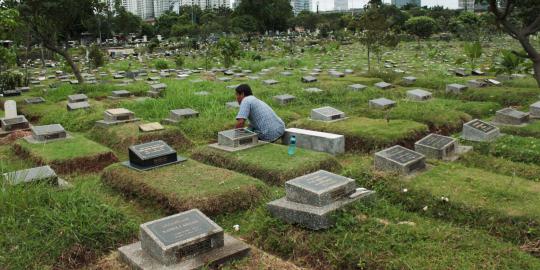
67	57
368	59
536	65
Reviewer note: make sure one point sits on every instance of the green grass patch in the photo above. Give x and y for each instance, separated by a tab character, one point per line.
69	155
501	166
366	134
506	96
120	137
188	185
530	130
514	148
43	227
370	236
269	162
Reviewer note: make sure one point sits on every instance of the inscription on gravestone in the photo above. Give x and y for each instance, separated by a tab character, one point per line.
482	126
177	229
402	156
437	141
478	130
152	154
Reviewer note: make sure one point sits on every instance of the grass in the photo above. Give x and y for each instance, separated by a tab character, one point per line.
501	166
121	137
43	227
269	162
530	130
366	134
68	155
188	185
371	237
514	148
506	96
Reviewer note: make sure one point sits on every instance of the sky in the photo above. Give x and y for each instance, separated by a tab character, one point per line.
329	4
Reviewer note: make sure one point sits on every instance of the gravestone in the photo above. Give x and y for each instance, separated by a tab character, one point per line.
9	125
78	106
399	159
311	200
455	88
44	174
201	93
357	87
461	72
479	131
120	94
510	116
151	155
383	85
409	80
336	74
11	93
175	116
187	241
327	114
116	116
493	82
224	79
10	109
381	103
476	83
313	90
534	110
284	99
34	100
77	98
150	127
309	79
270	82
333	144
478	72
286	73
47	133
156	89
237	137
419	95
23	89
437	146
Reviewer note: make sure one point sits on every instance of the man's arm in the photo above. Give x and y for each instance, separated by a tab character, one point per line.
240	122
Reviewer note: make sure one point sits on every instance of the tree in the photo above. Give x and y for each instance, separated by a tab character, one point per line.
229	48
376	31
55	22
520	20
270	14
422	27
8	24
96	56
126	22
473	52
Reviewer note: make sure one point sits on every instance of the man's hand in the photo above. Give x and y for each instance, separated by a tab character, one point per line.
240	122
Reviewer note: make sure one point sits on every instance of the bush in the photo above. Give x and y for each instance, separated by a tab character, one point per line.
161	64
96	56
179	61
9	80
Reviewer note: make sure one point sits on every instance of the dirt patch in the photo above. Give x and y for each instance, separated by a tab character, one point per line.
226	202
14	136
94	163
75	257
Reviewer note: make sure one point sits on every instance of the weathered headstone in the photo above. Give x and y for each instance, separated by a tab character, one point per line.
175	116
436	146
479	131
150	127
409	80
419	95
534	110
44	174
383	85
461	72
308	79
18	122
47	133
117	116
77	98
270	82
237	137
120	94
10	109
399	159
493	82
78	105
476	83
11	93
188	241
327	114
284	99
455	88
317	141
381	103
34	100
357	87
156	89
313	90
510	116
151	155
311	199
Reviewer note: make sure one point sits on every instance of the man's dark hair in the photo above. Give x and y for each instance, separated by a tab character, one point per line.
244	89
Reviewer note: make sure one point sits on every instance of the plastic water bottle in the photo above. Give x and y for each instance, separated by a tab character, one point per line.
292	145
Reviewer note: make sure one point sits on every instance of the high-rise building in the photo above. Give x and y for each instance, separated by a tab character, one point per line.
469	5
300	5
401	3
147	9
341	4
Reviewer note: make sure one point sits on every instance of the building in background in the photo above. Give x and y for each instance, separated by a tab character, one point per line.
401	3
148	9
341	5
300	5
469	5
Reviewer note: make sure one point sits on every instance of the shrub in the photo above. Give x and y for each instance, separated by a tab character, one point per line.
10	80
161	64
179	61
97	58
